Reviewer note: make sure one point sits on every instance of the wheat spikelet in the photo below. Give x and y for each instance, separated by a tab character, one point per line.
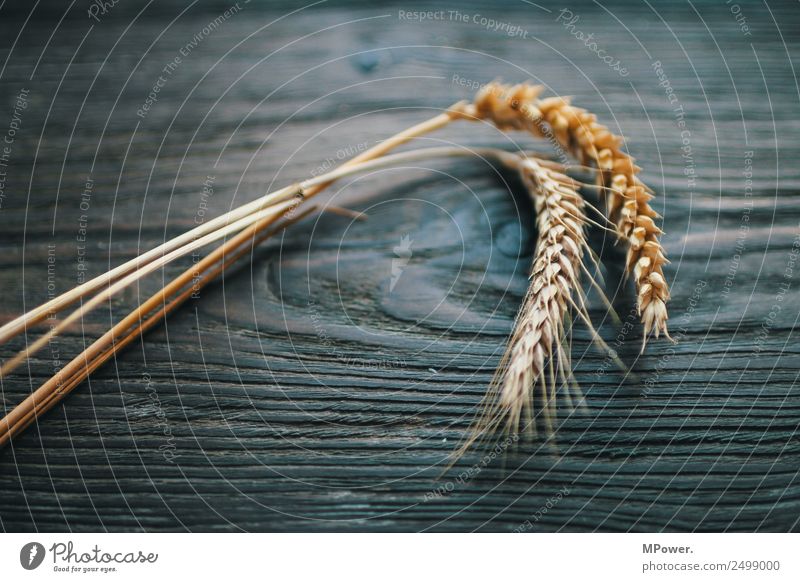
578	131
536	357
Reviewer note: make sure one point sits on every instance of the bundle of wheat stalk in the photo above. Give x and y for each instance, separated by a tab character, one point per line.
537	360
577	131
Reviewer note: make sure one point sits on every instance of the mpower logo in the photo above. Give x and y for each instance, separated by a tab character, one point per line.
31	555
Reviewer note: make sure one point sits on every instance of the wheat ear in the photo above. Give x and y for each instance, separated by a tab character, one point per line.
578	131
536	357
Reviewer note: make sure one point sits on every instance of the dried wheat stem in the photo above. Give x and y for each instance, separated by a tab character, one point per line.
306	189
274	207
578	131
123	333
127	330
228	223
57	304
273	212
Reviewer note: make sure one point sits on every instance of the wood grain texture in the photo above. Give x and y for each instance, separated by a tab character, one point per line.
308	392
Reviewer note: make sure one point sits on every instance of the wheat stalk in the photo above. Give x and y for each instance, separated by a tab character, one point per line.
138	322
536	357
298	191
246	230
578	131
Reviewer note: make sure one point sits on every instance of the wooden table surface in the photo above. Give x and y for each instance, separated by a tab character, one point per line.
323	385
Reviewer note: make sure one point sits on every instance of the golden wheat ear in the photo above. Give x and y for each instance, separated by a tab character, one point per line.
578	132
536	365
